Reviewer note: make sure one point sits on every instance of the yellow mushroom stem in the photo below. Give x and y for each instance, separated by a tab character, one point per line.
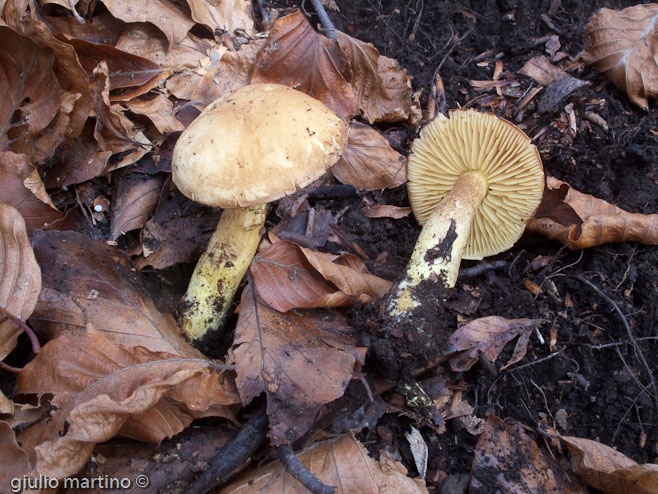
439	248
220	270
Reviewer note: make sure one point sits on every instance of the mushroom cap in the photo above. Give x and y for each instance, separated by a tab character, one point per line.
472	140
256	145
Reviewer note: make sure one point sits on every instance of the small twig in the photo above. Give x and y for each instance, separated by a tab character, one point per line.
234	455
549	24
327	26
481	268
36	347
329	192
301	473
9	368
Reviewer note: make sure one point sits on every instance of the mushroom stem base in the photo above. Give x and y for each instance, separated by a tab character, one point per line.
220	269
439	248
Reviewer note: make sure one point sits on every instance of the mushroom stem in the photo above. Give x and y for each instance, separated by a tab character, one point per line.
442	241
220	269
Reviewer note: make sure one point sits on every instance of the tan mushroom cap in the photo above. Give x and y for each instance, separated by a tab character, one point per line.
471	140
256	145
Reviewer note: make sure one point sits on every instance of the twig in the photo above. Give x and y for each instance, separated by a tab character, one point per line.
481	268
301	473
9	368
329	192
327	26
234	455
36	347
638	351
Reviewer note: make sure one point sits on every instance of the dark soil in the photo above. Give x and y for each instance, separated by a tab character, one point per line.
585	378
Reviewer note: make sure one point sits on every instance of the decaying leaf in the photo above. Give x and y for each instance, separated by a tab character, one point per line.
20	276
159	109
300	361
296	56
86	281
21	187
386	211
608	470
342	462
136	199
101	389
383	88
223	15
507	460
580	221
489	335
623	45
289	276
13	458
369	162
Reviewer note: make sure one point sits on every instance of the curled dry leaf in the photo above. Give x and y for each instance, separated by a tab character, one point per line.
136	198
342	462
86	281
296	56
508	460
21	187
608	470
369	162
101	389
300	361
223	15
386	211
580	220
382	88
623	45
20	276
489	335
159	109
289	276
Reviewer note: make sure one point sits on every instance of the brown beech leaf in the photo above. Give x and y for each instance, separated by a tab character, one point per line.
609	471
369	162
580	220
223	15
623	45
101	389
222	72
300	361
21	187
489	335
167	15
30	90
136	198
342	462
13	458
296	56
159	109
289	276
508	460
103	30
383	88
386	211
20	276
86	281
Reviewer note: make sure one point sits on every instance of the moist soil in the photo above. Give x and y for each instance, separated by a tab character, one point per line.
582	376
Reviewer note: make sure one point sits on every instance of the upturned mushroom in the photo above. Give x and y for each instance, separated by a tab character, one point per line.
474	181
247	148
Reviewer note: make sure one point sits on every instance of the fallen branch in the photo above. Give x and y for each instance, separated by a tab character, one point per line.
295	468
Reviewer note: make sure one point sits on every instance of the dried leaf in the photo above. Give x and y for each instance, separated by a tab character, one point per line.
383	88
299	361
542	71
21	187
159	110
581	221
30	91
223	15
386	211
231	70
623	45
165	14
86	281
13	458
507	460
296	56
289	276
608	470
20	276
369	162
101	389
489	335
342	462
136	198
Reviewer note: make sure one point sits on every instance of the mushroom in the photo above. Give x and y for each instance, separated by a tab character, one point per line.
474	181
247	148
